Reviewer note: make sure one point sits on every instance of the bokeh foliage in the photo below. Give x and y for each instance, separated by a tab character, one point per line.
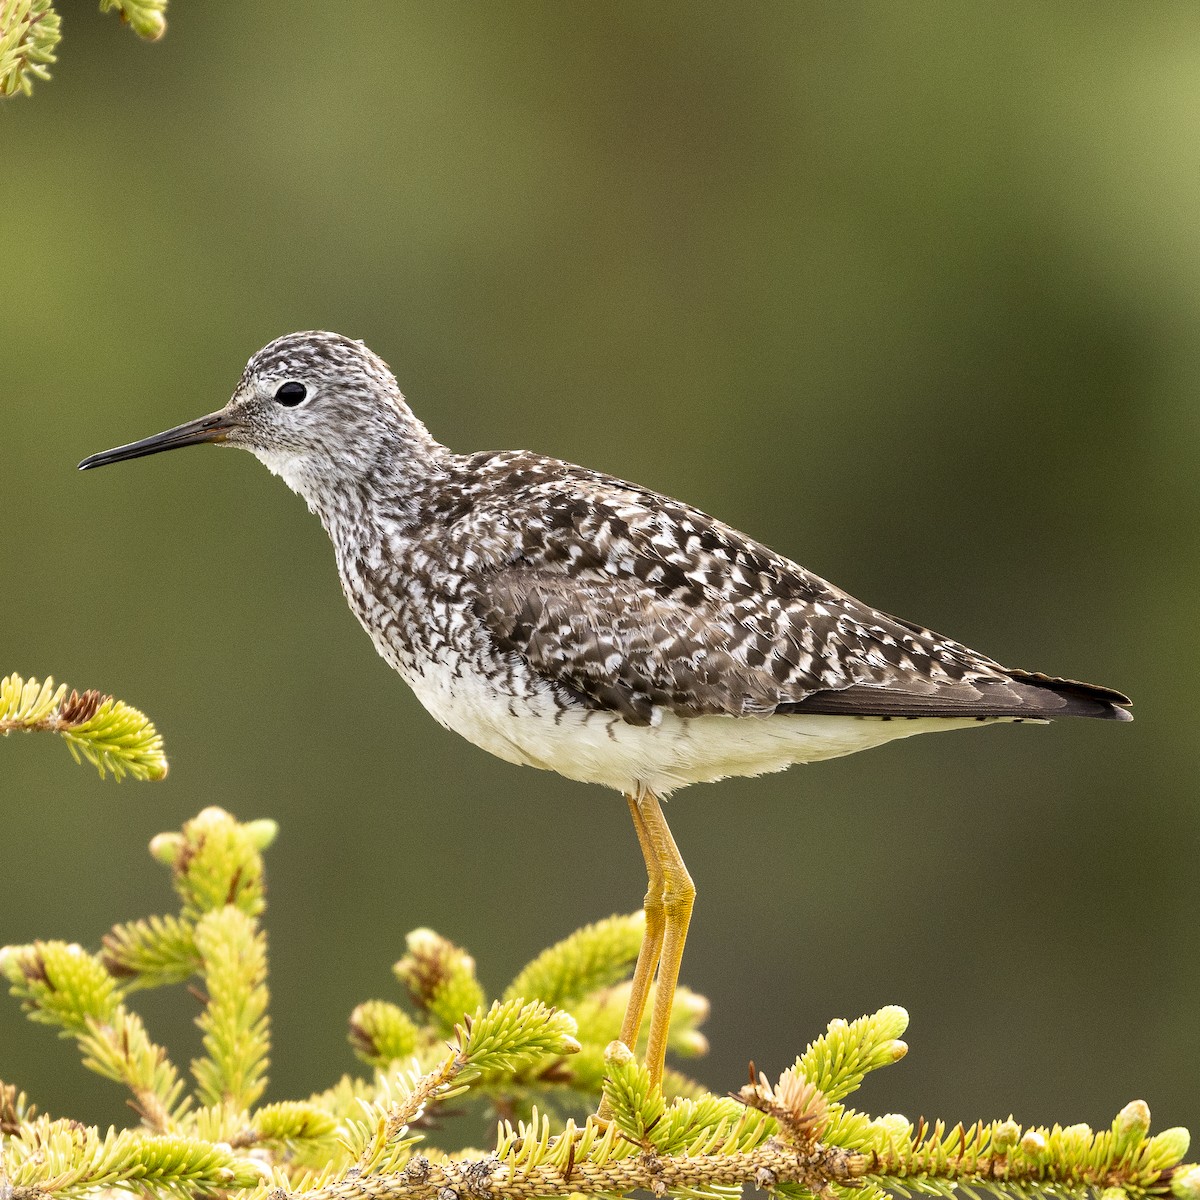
909	291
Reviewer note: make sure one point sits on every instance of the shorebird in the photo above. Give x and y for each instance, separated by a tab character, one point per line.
563	619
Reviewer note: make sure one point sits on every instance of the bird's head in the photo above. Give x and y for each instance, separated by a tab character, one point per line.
319	409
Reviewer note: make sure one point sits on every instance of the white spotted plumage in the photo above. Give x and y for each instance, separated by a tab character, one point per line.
564	619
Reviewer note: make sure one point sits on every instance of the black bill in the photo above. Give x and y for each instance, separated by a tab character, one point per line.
213	428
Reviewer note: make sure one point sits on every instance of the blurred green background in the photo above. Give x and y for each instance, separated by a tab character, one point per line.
908	291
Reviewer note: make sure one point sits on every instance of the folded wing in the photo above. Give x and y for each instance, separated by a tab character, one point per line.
631	602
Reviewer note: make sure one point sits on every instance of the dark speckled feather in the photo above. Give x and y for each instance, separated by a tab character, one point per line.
632	600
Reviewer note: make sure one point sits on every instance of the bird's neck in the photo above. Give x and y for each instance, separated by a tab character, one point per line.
387	488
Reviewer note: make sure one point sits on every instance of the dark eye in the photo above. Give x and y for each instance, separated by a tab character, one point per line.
291	393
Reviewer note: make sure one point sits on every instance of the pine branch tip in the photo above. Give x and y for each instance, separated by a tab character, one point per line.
1185	1184
30	31
113	736
616	1053
147	18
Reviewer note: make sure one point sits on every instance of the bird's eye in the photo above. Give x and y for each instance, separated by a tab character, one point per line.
291	393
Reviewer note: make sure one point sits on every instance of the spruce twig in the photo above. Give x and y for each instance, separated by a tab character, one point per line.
29	34
30	31
147	18
111	735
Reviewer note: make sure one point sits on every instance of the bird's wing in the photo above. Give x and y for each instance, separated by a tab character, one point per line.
632	601
619	645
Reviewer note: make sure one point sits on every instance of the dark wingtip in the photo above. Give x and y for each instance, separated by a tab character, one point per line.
1083	699
1025	694
1086	706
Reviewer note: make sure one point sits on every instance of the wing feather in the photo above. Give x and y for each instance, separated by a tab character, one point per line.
632	602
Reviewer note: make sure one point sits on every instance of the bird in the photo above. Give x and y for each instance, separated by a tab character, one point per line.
564	619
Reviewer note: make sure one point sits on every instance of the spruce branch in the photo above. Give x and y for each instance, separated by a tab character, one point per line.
380	1141
110	734
152	952
62	985
727	1154
511	1032
233	963
1000	1158
594	957
29	33
147	18
637	1106
216	860
289	1125
837	1061
580	972
123	1051
502	1038
440	978
382	1033
594	1163
359	1139
710	1148
67	1160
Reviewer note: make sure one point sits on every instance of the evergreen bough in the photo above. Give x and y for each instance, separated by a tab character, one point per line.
537	1058
30	31
112	736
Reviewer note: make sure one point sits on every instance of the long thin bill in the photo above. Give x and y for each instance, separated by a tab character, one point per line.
213	428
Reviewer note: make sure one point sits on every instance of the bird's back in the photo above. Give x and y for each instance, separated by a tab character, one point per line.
625	601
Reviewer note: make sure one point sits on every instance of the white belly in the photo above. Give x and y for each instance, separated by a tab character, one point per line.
597	747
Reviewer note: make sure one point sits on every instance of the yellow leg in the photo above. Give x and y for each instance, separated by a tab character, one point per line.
652	937
678	895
